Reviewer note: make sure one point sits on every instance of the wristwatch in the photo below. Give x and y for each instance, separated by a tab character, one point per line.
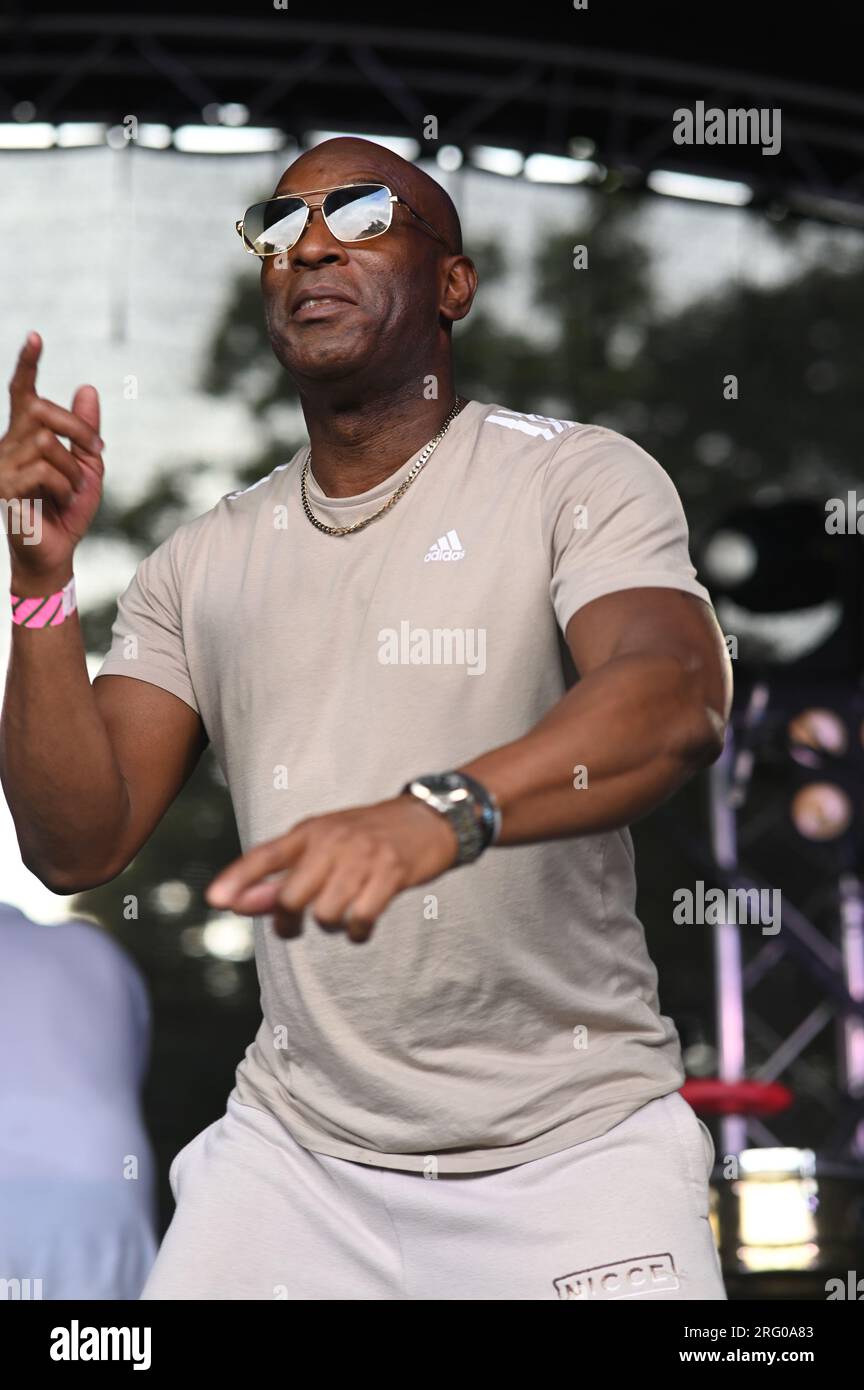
470	808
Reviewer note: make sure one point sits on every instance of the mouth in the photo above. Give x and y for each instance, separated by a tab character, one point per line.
319	306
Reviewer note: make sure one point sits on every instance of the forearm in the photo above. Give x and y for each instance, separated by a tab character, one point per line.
61	779
616	745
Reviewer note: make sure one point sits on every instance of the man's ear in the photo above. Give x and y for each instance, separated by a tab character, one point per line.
459	289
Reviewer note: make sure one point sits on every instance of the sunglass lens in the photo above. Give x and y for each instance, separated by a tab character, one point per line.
354	214
275	225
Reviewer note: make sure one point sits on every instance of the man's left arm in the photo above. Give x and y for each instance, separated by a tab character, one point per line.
649	711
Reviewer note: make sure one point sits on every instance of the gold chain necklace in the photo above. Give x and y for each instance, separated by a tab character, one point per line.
394	498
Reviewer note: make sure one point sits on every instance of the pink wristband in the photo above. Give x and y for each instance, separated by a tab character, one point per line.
46	611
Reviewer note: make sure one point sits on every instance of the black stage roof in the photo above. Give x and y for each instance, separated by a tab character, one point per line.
533	78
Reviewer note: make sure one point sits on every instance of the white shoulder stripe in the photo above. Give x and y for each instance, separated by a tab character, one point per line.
241	492
536	425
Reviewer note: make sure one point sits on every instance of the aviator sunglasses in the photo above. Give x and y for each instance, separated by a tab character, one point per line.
352	212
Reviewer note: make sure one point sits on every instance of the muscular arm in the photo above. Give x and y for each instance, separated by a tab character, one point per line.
649	711
88	771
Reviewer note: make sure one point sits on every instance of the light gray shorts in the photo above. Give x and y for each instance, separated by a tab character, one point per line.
624	1216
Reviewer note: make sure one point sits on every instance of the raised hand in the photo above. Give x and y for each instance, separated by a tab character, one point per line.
36	466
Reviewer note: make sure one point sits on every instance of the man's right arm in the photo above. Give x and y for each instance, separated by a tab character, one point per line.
88	770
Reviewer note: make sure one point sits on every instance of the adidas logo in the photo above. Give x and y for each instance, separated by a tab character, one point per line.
447	547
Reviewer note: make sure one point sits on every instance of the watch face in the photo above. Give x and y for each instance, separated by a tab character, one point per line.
441	782
436	783
437	790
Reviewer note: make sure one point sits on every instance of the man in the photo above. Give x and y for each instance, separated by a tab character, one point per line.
482	1102
76	1167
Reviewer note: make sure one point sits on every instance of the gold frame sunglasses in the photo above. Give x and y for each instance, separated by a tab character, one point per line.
257	214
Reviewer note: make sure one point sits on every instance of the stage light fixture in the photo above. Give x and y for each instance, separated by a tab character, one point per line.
821	811
777	1197
819	729
229	938
404	145
449	158
35	135
495	159
551	168
75	134
218	139
674	184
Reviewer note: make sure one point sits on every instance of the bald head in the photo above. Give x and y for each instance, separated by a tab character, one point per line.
395	296
348	159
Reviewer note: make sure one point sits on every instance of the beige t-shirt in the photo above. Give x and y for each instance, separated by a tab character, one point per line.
507	1009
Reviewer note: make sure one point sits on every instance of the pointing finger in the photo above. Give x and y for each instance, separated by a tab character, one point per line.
23	383
253	866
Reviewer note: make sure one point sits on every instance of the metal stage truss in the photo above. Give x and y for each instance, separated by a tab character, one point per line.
608	80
